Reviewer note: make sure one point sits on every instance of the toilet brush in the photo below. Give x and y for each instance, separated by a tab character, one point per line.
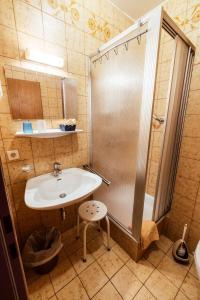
180	250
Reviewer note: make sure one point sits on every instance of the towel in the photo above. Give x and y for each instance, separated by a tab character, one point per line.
149	234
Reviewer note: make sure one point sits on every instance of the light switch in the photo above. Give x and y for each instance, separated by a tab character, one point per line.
13	154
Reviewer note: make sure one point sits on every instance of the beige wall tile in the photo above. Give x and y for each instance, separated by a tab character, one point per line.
28	19
65	159
183	205
42	147
23	145
54	30
16	173
190	148
54	10
44	164
195	78
8	42
35	3
189	168
194	103
75	39
186	187
6	13
191	128
63	145
76	63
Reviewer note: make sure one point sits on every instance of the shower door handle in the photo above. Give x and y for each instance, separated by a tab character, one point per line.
88	168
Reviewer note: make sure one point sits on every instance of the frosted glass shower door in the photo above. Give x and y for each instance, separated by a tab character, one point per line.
116	85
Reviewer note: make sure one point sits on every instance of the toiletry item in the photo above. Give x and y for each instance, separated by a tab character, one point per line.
69	125
41	125
27	127
180	250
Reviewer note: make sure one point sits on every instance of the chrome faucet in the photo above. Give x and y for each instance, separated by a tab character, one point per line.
56	169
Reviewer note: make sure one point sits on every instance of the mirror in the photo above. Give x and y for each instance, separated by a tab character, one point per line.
36	95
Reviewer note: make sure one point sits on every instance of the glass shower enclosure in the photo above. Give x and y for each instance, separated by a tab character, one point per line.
123	89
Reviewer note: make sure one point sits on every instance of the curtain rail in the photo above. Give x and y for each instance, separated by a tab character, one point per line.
120	44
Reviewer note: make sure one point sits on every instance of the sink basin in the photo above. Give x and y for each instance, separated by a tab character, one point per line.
47	192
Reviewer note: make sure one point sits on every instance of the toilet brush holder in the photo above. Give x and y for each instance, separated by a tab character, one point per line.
180	250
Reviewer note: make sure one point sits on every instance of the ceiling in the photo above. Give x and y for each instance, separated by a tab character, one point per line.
136	8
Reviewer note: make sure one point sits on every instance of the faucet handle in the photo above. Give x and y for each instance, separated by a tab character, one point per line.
57	165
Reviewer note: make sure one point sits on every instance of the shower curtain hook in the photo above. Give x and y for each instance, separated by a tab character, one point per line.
126	46
100	60
139	35
107	55
116	50
139	39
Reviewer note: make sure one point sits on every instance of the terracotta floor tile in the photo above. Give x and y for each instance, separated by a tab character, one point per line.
62	274
193	270
154	255
164	243
160	286
126	283
144	294
77	261
93	279
108	292
191	287
121	253
181	296
110	263
97	247
73	291
142	269
40	288
174	271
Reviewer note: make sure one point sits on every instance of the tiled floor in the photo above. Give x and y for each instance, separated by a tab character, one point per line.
114	275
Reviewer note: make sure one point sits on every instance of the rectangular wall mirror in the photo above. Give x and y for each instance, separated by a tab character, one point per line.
36	95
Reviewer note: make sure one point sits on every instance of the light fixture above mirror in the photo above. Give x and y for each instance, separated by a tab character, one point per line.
44	58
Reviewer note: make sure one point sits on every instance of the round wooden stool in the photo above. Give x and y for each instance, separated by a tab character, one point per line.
89	212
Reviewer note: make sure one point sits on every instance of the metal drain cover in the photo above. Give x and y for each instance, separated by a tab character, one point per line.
63	195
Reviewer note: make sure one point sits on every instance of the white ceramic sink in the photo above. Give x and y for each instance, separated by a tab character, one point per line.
47	192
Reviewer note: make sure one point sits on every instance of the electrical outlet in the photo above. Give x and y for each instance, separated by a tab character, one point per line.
13	154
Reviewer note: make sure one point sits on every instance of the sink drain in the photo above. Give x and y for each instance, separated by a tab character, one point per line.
63	195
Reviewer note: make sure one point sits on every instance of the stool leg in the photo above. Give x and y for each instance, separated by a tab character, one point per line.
99	226
108	233
77	232
85	241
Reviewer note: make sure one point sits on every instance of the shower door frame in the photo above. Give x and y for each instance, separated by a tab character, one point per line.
154	22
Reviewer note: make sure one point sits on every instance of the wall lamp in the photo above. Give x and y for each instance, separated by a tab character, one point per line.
44	58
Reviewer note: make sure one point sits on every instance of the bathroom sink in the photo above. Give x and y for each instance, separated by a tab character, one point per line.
47	192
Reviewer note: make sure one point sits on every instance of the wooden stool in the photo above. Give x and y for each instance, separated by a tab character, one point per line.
89	212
